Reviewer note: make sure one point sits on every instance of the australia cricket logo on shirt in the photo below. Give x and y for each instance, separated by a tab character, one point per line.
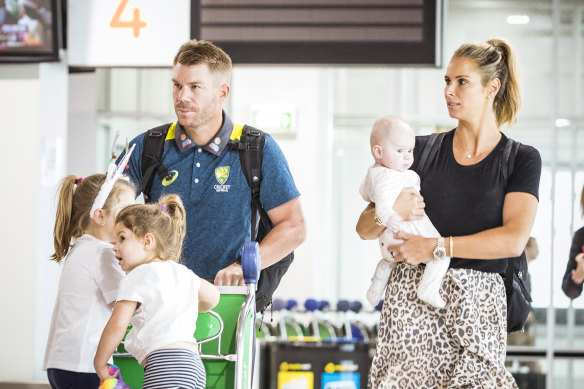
222	174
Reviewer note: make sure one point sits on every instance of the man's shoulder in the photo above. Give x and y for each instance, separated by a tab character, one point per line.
269	138
138	140
273	156
271	146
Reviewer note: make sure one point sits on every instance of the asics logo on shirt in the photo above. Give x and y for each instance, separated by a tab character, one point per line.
170	178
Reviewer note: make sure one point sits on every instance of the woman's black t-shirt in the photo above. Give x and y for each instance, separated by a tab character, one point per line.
463	200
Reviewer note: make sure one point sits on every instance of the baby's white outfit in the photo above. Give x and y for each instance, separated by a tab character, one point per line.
168	293
88	287
382	186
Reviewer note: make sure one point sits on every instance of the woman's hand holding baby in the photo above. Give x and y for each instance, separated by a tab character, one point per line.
409	204
414	250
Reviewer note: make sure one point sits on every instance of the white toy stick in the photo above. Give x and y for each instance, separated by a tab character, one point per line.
114	173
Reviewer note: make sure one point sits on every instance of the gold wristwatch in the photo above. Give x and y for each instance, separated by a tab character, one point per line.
440	251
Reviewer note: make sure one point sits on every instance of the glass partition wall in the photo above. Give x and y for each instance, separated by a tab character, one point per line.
328	151
550	48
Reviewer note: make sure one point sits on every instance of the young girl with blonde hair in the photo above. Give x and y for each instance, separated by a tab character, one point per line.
90	277
159	297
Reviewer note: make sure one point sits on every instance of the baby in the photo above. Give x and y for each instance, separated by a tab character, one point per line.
392	145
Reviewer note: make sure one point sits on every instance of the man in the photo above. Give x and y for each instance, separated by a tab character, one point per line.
208	176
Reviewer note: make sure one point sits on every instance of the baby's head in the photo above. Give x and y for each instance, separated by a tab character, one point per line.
392	143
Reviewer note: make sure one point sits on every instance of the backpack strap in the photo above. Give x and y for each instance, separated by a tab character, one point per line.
250	143
152	150
251	146
511	268
509	154
507	166
430	151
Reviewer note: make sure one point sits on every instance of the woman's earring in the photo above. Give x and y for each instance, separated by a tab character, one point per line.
489	96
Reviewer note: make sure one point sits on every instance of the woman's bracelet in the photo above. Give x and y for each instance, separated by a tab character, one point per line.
451	247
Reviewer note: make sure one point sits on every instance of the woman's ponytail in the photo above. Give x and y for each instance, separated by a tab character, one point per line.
508	100
495	59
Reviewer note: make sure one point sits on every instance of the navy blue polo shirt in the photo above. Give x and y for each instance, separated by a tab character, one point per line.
215	194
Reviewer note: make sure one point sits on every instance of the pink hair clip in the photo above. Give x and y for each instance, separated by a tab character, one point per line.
163	208
78	181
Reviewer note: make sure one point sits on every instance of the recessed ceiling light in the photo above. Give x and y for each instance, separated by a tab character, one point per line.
517	19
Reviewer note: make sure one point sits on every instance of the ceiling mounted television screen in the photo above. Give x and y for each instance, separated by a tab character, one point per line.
30	30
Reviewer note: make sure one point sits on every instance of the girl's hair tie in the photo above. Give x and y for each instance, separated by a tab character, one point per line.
78	181
163	208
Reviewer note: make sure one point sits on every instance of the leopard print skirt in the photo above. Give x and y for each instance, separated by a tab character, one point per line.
460	346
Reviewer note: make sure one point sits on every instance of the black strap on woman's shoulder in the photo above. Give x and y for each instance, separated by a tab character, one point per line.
514	265
508	159
430	151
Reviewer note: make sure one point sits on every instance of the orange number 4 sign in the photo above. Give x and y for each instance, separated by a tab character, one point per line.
135	24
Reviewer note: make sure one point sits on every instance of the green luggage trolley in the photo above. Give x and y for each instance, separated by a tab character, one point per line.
226	335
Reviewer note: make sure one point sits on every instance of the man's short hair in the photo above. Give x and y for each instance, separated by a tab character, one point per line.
195	52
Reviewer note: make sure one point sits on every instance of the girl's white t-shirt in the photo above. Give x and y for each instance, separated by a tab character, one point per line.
89	284
169	296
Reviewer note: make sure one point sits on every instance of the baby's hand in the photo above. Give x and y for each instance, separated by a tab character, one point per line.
393	222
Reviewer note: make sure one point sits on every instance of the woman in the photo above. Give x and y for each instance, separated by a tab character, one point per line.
483	219
574	276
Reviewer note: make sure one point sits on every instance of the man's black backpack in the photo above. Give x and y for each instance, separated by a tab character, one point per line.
250	146
515	277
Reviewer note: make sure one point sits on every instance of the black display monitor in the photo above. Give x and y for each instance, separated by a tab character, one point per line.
30	30
398	32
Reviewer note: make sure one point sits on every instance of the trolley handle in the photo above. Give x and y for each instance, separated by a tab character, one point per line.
251	262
